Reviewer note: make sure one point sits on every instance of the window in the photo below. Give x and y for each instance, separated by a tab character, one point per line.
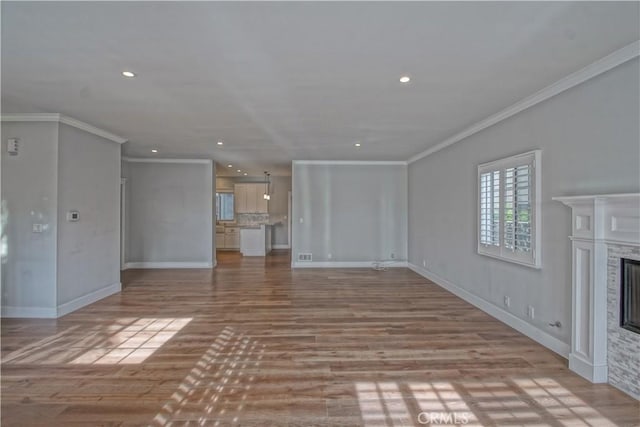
224	206
509	209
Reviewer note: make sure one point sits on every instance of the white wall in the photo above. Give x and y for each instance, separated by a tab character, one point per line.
125	172
356	213
89	182
278	209
69	265
171	213
29	196
590	144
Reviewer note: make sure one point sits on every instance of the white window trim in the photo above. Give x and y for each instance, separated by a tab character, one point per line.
499	252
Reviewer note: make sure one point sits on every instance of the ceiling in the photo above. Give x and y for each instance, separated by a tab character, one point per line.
283	81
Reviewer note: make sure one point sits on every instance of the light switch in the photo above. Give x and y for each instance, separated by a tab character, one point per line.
12	146
37	228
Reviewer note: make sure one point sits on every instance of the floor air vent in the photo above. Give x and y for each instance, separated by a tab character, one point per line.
304	257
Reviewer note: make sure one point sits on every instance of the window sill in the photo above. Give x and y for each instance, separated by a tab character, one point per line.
535	266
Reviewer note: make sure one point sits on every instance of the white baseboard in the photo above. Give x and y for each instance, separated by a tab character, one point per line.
254	253
547	340
168	265
87	299
29	312
595	374
280	247
347	264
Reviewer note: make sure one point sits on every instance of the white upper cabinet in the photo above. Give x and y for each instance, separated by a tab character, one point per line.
249	198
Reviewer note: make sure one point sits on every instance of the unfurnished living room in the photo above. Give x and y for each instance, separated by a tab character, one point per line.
320	213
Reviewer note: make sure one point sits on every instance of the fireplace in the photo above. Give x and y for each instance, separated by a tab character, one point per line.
605	332
630	295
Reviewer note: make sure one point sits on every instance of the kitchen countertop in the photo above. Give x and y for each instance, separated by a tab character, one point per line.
256	227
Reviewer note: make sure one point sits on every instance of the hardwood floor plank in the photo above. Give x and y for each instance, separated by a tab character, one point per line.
253	343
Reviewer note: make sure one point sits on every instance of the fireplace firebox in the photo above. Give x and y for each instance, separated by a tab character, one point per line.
630	295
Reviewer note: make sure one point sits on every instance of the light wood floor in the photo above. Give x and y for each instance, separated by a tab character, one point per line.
254	344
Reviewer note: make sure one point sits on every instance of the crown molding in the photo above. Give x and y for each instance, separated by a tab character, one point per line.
151	160
59	118
598	67
31	117
92	129
350	162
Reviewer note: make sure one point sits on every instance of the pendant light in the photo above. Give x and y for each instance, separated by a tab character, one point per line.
267	182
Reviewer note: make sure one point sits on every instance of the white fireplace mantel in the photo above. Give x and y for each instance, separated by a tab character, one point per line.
597	221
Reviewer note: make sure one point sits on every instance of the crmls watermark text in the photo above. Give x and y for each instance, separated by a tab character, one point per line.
460	418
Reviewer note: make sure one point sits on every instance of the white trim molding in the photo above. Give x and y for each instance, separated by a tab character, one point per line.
596	222
90	298
161	160
498	248
280	247
28	312
131	265
598	67
348	264
351	162
62	309
54	117
538	335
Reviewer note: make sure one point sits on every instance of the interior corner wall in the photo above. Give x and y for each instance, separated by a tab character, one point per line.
279	209
125	172
355	212
214	253
89	182
29	196
171	214
589	138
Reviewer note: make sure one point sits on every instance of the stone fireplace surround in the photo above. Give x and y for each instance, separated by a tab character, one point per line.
605	228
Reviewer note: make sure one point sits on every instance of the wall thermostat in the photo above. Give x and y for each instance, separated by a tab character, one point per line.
73	216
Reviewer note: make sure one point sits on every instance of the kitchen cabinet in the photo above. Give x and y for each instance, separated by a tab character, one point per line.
255	241
232	238
227	237
219	240
249	198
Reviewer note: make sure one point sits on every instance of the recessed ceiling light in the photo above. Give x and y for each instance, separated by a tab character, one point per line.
357	144
128	74
229	166
245	174
405	79
239	170
220	143
154	151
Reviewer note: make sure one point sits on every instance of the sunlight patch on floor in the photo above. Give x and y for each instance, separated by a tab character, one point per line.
524	402
220	372
125	341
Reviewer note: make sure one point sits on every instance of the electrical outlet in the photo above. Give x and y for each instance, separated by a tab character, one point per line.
393	256
329	256
507	301
530	312
424	263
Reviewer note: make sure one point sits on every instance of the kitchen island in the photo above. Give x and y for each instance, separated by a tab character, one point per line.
255	240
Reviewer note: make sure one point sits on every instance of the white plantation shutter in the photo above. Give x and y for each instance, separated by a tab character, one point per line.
517	208
508	217
490	208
